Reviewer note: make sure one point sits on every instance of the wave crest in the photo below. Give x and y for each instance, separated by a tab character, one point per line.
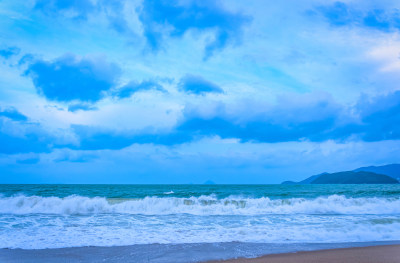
203	205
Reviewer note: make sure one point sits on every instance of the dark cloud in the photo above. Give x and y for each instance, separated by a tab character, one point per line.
158	16
13	114
69	78
342	14
296	119
375	119
79	106
29	137
92	138
198	85
379	19
256	131
15	137
27	58
9	52
195	129
284	124
26	144
133	87
380	117
337	14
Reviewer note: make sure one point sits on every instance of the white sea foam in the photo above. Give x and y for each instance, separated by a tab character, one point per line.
203	205
50	222
55	231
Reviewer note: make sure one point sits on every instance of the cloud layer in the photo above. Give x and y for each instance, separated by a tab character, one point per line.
177	19
187	91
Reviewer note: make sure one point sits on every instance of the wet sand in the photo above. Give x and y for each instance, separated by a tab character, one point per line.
191	253
374	254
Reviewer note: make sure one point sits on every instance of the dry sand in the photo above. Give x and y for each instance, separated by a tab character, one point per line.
375	254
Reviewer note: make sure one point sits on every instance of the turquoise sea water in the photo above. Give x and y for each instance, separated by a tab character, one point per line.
58	216
221	191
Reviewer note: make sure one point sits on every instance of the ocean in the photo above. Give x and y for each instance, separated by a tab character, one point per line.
208	221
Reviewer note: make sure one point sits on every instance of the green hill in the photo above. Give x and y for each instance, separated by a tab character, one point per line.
354	178
392	170
349	177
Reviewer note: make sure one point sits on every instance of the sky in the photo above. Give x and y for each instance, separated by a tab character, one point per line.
106	91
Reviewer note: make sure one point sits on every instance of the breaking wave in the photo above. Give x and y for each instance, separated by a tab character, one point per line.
203	205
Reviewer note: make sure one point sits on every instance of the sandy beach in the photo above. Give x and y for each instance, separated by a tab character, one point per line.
373	254
197	253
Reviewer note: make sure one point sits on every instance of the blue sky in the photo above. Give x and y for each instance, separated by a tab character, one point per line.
96	91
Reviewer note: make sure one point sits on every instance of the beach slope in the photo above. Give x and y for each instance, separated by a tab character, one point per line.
374	254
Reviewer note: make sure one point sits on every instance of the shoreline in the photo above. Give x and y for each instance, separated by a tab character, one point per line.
370	254
384	252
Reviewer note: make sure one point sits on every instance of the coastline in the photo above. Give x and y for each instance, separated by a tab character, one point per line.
371	254
233	252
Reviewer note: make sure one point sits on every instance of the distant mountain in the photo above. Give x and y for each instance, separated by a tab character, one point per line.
392	170
305	181
311	179
354	178
388	174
